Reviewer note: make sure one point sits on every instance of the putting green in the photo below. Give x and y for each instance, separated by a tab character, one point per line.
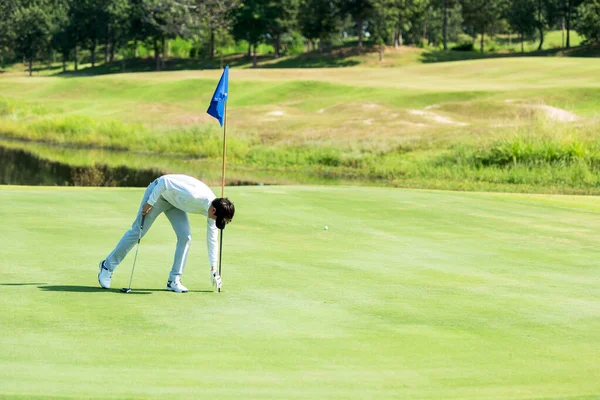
408	294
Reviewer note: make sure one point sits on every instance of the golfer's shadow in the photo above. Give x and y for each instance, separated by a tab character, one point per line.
88	289
92	289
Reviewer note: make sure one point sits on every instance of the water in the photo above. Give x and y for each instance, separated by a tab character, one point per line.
20	167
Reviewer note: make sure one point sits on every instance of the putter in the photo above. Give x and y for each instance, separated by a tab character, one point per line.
128	289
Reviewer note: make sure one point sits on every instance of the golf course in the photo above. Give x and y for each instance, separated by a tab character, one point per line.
404	229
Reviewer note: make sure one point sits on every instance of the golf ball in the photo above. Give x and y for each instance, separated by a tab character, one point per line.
325	227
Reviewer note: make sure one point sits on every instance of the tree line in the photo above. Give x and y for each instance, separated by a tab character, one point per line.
35	29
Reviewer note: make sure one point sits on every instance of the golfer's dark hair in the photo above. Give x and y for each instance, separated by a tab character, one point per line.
224	208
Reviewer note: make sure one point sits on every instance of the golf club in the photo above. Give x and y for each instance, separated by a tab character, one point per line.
128	289
220	254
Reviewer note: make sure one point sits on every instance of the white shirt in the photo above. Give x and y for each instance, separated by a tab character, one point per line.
193	196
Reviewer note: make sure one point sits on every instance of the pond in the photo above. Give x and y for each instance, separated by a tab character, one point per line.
20	167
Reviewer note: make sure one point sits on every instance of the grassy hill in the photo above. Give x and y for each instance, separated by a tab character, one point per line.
408	294
503	124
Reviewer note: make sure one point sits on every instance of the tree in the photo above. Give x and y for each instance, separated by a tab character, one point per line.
33	24
588	21
250	24
410	16
383	22
116	29
318	19
360	11
166	19
215	15
7	33
482	14
62	38
568	9
521	18
281	18
446	7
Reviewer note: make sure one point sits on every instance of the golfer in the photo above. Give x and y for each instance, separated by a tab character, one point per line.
176	196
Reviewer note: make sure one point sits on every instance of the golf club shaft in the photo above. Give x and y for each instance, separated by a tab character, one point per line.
137	248
220	250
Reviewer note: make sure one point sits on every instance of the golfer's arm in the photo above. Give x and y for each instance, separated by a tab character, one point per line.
212	242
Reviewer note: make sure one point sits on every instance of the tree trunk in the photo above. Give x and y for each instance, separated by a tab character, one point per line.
540	25
162	60
482	36
277	44
76	58
321	43
568	23
359	27
64	62
212	44
30	65
445	25
254	62
106	46
112	53
522	43
93	50
380	53
562	31
156	55
135	49
249	50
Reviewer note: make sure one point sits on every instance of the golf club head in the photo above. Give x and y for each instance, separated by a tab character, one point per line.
125	290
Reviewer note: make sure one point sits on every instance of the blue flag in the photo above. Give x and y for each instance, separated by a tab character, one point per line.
217	104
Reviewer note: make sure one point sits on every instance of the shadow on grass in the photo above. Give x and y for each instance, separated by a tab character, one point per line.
23	284
87	289
453	55
331	59
91	289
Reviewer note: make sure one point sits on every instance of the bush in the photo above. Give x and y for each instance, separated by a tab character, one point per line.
180	48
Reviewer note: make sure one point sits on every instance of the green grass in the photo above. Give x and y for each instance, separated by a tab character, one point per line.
409	294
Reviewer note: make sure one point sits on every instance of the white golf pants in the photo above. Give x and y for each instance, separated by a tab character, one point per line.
179	221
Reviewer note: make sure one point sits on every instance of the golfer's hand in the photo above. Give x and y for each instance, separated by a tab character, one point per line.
146	209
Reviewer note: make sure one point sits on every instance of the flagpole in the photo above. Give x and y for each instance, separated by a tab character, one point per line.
214	110
224	150
223	180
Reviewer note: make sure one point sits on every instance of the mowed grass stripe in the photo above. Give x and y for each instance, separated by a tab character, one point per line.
408	294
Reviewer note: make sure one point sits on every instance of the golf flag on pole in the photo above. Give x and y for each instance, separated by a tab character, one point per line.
217	104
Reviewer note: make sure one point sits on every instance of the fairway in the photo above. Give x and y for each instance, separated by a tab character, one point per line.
409	294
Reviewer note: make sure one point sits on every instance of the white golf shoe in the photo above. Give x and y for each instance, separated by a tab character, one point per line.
104	275
215	279
176	286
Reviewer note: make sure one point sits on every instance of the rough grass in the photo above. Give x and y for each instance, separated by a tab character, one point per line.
422	126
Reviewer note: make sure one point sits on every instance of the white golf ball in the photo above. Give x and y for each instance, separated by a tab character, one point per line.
325	227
